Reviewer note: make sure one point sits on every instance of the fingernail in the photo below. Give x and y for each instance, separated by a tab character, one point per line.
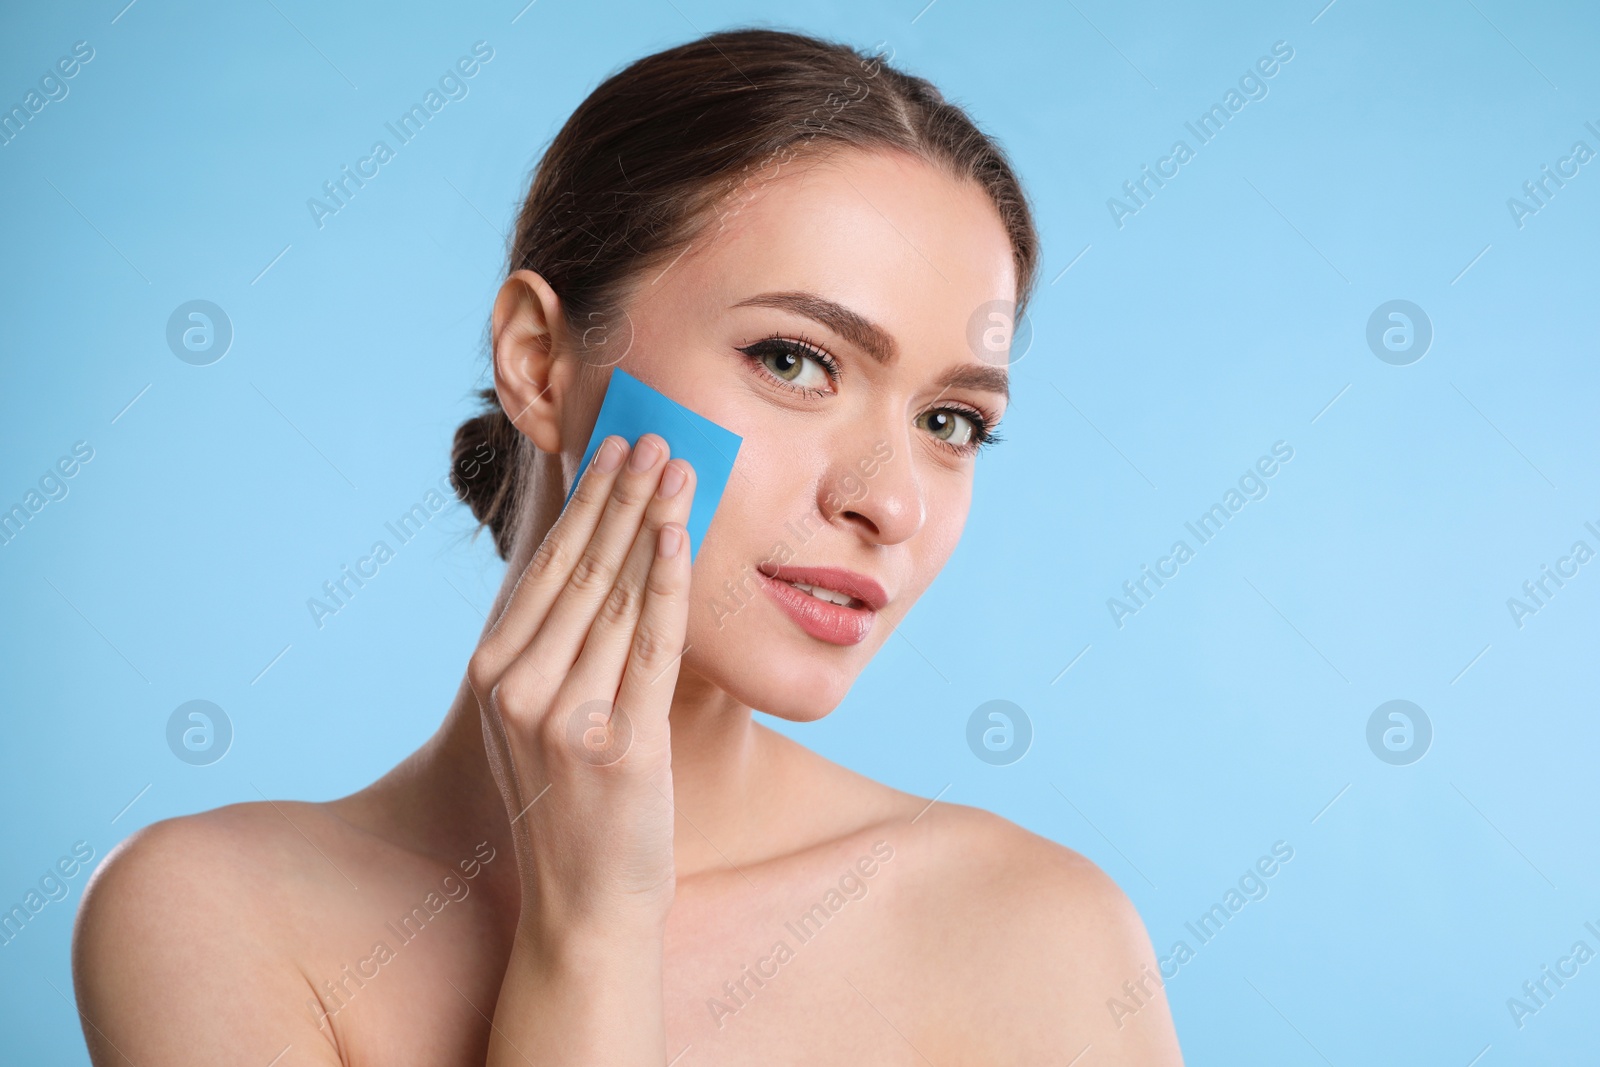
645	454
668	542
609	455
672	480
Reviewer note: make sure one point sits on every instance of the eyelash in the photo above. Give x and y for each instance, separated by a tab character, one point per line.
802	346
797	346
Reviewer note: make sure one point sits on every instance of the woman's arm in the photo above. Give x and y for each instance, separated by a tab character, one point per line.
575	680
581	999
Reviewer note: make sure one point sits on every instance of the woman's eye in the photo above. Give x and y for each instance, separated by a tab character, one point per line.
791	364
951	427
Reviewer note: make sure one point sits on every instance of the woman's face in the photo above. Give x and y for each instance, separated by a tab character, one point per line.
891	271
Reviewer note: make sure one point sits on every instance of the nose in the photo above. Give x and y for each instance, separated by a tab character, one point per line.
872	487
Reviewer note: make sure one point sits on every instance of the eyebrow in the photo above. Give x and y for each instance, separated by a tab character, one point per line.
873	339
858	330
974	376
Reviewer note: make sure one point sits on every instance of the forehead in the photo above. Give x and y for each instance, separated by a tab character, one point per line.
888	235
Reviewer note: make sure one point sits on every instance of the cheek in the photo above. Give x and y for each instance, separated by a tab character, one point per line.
760	509
771	496
949	499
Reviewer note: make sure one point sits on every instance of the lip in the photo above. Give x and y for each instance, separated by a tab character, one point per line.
826	622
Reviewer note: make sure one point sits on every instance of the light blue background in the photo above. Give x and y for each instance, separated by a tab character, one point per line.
1223	317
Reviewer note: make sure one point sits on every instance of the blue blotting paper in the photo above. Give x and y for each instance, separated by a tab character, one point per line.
632	408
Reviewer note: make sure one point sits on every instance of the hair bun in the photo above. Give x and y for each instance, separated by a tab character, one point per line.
483	469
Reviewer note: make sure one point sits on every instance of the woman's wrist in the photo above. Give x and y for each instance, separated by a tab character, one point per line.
629	921
591	945
583	996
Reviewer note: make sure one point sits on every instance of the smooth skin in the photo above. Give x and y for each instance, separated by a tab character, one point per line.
577	908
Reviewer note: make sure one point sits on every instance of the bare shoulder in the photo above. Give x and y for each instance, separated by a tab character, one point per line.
195	910
1010	947
235	867
1030	943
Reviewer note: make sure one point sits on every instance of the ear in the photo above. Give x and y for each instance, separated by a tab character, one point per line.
532	381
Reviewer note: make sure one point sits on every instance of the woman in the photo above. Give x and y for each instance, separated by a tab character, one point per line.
794	240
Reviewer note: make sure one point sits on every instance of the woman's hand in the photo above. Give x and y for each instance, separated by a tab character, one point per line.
574	682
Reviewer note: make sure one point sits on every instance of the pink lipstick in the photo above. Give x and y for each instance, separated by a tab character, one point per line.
816	611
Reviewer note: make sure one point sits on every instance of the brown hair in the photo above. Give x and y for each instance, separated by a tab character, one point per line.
640	167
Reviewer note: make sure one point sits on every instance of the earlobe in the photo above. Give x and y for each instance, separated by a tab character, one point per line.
528	328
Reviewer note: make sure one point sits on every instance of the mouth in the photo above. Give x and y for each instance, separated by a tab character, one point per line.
828	603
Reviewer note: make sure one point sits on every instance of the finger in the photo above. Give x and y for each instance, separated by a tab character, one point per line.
555	645
656	650
604	655
541	580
